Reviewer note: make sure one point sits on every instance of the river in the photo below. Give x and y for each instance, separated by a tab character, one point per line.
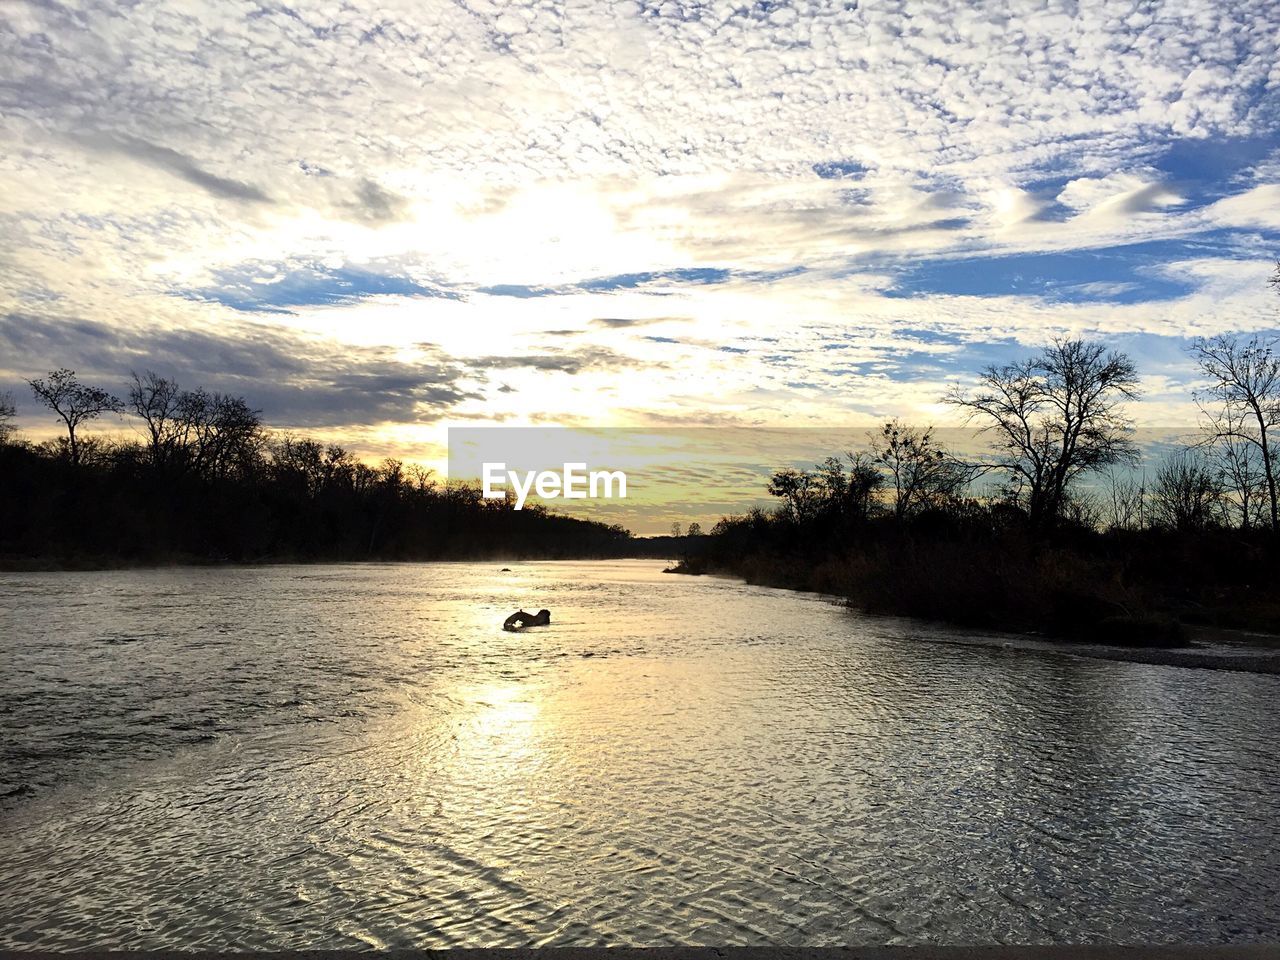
290	757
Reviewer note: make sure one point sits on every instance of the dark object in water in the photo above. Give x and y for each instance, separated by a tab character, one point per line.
505	570
519	620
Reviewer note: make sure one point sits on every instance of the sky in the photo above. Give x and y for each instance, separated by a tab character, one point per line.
377	220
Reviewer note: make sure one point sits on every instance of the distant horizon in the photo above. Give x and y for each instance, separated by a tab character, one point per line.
678	474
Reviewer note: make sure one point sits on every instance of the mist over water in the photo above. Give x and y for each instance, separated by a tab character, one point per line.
337	756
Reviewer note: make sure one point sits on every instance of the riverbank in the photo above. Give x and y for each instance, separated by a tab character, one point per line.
1194	646
1132	589
1206	649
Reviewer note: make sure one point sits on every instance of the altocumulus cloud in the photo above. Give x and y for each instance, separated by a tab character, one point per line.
786	176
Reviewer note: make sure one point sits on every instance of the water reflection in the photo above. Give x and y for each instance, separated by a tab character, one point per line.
326	757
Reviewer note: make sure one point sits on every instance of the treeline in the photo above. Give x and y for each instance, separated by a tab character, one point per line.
209	482
1066	538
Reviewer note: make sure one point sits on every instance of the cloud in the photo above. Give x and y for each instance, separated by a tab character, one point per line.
568	361
180	166
295	380
302	196
625	323
374	204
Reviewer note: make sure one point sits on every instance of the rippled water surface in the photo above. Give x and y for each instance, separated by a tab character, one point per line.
288	757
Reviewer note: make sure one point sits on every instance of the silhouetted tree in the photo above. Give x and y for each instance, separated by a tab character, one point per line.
695	529
829	492
863	488
7	414
829	483
159	402
73	402
799	491
1242	404
1240	465
1187	493
1054	417
921	472
224	434
1126	502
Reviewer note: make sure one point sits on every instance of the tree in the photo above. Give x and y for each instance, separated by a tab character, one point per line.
1052	418
224	433
676	529
1242	402
829	483
1126	498
921	472
73	402
695	529
1187	493
863	489
828	492
159	402
1240	465
7	414
799	491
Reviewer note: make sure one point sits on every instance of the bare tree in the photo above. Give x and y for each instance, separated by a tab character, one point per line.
1242	401
921	471
1054	417
1187	493
73	402
1126	502
159	402
1083	508
829	484
1240	466
421	479
222	433
300	462
7	414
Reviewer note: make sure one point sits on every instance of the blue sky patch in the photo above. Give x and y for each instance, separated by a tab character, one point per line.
274	288
839	169
519	290
1198	171
1215	161
629	281
1134	273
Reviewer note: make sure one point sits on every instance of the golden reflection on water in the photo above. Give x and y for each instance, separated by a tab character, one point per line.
504	716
